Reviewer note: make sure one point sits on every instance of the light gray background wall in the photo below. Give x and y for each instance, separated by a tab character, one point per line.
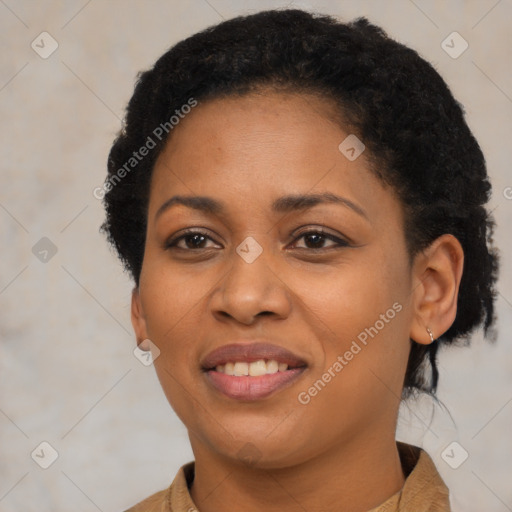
68	374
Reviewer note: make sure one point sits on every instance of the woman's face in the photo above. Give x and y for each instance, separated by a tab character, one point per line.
326	281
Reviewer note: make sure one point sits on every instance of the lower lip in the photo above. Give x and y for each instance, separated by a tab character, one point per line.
252	388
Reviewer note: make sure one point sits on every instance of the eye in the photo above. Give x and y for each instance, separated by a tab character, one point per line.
190	240
315	239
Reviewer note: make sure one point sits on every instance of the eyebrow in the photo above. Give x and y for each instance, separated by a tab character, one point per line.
284	204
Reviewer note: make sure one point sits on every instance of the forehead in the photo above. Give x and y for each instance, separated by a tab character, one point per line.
256	147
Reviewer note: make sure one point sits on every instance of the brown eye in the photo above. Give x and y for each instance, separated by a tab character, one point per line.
194	241
316	239
191	240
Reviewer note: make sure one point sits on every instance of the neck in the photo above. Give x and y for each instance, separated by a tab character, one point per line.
353	478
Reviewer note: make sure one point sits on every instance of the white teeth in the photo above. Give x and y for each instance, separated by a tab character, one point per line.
272	366
241	369
257	368
254	369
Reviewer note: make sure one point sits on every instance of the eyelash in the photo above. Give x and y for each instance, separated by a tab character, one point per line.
340	243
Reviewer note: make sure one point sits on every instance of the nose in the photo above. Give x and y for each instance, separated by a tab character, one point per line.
249	290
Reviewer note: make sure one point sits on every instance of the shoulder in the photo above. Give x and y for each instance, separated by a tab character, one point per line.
174	498
155	503
424	489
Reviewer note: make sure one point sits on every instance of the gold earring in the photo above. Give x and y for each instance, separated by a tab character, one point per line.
431	335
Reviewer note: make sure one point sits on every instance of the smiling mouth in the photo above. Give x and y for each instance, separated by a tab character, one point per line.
252	369
251	381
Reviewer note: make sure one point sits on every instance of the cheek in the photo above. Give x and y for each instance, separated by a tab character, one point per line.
173	302
351	296
363	307
171	295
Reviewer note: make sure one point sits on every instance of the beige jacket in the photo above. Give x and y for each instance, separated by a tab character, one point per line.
423	491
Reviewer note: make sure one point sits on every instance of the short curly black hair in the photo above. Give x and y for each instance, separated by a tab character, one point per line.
394	100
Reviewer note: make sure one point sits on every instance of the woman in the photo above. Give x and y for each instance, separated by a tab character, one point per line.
300	203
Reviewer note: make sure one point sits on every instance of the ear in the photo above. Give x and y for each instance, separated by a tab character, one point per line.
139	321
437	272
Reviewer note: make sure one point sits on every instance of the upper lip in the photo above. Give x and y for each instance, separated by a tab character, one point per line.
250	352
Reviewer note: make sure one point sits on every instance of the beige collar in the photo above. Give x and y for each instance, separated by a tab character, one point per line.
423	491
